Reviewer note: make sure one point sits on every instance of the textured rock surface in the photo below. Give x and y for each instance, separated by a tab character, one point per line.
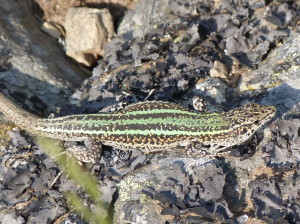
163	189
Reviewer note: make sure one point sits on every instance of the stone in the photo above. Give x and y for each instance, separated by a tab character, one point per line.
51	30
87	30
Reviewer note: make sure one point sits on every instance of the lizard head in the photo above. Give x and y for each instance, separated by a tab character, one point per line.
246	120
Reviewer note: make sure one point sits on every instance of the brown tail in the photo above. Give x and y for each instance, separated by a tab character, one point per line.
17	115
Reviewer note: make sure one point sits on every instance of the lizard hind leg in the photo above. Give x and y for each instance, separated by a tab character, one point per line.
90	152
200	150
196	150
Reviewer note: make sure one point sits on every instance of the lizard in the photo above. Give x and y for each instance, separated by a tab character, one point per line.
151	126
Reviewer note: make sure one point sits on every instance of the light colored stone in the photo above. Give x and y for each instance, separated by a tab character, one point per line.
213	88
51	30
219	70
12	218
87	30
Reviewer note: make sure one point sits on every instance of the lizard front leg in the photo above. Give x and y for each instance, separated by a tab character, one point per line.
90	152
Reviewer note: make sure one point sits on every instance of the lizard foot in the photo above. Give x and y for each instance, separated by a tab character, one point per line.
90	153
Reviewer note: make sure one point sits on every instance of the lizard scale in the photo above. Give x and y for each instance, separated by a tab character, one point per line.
150	126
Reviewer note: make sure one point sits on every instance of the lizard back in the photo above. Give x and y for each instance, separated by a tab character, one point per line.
150	126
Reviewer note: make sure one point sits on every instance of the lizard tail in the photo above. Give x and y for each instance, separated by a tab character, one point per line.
20	117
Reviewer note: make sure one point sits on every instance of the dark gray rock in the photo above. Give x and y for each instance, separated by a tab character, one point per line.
166	187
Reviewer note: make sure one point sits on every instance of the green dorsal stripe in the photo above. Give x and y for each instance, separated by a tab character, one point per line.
162	111
140	132
184	122
150	125
146	112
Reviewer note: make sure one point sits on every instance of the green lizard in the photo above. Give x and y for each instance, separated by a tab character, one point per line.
150	126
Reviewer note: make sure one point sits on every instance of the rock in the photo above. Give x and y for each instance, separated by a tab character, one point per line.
213	88
33	68
143	16
87	30
11	218
219	70
278	69
56	10
162	192
51	29
255	181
